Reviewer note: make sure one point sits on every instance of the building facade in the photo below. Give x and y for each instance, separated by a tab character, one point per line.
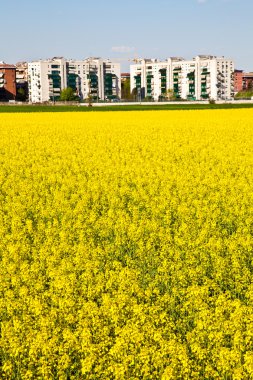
22	80
248	81
243	81
202	78
46	79
7	82
92	78
238	80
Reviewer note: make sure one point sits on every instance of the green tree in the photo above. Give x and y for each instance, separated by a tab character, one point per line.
134	93
68	95
170	94
245	94
21	94
90	100
250	85
125	90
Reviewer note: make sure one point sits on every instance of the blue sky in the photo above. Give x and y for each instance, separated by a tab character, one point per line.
125	29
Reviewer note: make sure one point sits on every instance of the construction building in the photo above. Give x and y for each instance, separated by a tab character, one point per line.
7	82
92	78
204	77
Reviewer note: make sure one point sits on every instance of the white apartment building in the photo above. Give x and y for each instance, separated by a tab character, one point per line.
204	77
46	79
96	77
93	77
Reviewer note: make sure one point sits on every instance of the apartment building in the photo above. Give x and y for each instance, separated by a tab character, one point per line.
7	82
204	77
95	77
92	78
248	81
46	79
22	80
238	80
243	81
21	72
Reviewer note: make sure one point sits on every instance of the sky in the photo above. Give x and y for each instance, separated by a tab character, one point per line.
123	30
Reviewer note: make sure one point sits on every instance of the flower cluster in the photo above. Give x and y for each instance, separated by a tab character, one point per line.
126	247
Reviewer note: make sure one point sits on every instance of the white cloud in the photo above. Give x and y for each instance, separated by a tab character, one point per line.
123	49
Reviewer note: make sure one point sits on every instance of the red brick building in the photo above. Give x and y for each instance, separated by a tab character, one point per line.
248	81
238	82
7	82
242	81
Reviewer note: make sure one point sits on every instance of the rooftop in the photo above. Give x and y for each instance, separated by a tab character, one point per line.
6	66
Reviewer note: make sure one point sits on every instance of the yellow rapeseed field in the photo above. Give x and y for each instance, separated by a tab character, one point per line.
126	245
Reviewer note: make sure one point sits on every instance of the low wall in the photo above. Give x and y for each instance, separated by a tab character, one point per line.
124	103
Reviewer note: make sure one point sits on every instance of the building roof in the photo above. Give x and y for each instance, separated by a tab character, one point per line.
6	66
248	75
245	75
21	64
